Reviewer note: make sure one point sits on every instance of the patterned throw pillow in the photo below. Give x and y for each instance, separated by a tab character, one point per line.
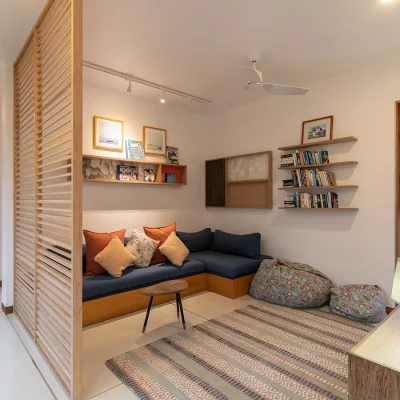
290	284
142	247
364	303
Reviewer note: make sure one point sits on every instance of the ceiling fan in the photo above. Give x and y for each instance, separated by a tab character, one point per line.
256	80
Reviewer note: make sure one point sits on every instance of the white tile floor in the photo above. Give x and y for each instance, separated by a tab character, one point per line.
102	342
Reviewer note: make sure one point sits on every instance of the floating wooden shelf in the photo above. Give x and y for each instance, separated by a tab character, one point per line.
312	166
110	176
319	187
321	209
318	144
247	181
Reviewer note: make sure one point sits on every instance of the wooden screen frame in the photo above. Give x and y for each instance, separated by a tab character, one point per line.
63	19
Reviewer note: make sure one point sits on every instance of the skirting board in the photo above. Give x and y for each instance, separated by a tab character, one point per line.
7	310
105	308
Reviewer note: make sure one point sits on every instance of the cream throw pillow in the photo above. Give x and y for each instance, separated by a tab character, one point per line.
115	258
174	249
142	247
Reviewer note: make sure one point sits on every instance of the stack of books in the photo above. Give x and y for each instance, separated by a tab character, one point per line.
301	157
310	178
308	200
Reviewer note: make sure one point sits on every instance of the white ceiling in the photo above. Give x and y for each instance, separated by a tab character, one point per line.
199	47
17	18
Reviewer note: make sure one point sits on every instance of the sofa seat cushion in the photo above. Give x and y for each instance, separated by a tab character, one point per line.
134	278
227	265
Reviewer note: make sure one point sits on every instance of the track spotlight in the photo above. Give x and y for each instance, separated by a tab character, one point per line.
129	90
162	100
189	104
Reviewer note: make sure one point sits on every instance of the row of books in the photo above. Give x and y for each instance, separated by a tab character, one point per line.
301	157
308	200
131	173
310	178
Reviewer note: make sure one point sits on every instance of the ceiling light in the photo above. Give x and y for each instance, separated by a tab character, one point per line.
189	105
386	1
162	100
129	90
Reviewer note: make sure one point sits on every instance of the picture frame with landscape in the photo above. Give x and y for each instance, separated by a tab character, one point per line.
154	141
317	130
108	134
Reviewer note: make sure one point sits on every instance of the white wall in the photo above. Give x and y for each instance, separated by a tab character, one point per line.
349	247
114	206
7	179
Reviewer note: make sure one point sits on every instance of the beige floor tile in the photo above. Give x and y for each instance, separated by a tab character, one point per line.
111	339
121	392
19	378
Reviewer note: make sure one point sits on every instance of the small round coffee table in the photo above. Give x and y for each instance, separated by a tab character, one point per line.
162	289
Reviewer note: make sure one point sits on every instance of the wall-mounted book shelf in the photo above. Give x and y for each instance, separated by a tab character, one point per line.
331	164
298	189
320	209
102	169
307	160
318	144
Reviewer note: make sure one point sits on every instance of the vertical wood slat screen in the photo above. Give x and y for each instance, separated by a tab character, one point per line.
48	210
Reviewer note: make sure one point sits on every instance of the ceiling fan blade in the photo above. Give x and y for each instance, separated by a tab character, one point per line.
253	74
274	88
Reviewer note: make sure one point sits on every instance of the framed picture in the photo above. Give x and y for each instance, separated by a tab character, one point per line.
154	141
108	134
317	130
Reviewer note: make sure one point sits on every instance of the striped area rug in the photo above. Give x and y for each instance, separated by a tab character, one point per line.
262	351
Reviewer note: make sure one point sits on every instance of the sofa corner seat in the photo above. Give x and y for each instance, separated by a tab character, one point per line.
106	297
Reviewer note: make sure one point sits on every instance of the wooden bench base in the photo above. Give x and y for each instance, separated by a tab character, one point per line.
108	307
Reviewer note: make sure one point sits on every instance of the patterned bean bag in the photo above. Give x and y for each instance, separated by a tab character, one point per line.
290	284
364	303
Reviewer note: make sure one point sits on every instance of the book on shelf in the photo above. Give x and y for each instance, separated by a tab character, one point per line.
134	150
308	200
310	178
304	157
127	173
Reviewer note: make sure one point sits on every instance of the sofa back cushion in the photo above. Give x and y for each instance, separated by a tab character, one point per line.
239	245
95	243
197	241
161	235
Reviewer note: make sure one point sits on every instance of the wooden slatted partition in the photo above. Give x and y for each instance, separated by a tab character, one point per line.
48	168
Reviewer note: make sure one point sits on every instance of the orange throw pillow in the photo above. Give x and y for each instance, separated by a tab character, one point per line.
161	234
95	243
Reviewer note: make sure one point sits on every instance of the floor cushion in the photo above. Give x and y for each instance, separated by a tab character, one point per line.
134	278
227	265
364	303
290	284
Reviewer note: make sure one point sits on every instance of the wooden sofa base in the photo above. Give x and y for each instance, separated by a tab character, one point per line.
113	306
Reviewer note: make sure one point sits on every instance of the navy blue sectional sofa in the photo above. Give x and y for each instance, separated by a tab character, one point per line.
218	261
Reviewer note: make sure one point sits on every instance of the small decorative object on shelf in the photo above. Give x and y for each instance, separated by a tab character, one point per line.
149	173
134	150
308	200
317	130
127	173
172	155
170	178
300	158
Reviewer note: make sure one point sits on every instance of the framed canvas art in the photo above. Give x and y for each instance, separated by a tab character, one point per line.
154	141
317	130
108	134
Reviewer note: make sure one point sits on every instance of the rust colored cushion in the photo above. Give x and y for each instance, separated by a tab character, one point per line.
160	234
95	243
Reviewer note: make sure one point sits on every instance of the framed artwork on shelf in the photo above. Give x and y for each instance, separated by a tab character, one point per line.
317	130
108	134
172	155
154	141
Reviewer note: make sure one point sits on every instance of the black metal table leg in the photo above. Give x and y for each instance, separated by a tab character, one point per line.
178	297
147	314
177	305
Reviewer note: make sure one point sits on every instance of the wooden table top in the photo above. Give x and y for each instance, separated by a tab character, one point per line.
163	288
